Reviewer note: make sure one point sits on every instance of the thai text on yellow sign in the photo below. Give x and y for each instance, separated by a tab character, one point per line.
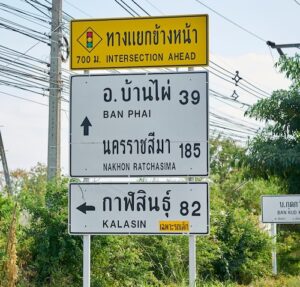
139	42
174	226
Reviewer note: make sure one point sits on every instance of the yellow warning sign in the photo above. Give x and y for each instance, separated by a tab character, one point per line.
174	226
139	42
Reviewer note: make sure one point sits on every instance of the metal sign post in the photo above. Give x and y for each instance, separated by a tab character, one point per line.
86	245
274	254
86	260
192	248
192	261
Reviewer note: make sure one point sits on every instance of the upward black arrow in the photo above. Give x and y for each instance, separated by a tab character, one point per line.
86	124
84	208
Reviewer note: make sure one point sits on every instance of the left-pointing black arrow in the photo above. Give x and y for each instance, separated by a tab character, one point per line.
84	208
86	124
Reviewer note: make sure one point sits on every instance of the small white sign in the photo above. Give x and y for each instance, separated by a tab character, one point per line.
153	124
281	208
149	208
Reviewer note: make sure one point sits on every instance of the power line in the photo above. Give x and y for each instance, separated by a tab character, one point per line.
232	22
227	77
245	85
153	6
218	94
124	8
140	7
24	99
78	9
297	2
38	9
232	74
223	123
252	90
23	14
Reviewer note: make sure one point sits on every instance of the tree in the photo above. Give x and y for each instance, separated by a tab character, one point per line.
225	156
275	151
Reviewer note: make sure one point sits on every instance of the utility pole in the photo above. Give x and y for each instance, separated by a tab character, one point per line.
54	125
279	47
5	167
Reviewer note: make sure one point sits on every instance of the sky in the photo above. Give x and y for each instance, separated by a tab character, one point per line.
238	31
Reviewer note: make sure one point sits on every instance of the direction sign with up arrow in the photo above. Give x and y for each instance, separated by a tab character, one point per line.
153	124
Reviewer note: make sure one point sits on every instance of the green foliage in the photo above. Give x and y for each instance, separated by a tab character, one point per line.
279	281
276	150
236	250
289	249
47	252
225	156
276	157
291	66
245	249
6	210
283	109
120	261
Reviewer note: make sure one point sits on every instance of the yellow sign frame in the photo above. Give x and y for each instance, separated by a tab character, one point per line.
171	41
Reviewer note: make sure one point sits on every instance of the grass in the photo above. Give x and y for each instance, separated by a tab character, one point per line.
278	281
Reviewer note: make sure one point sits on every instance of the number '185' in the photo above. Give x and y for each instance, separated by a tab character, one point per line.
188	150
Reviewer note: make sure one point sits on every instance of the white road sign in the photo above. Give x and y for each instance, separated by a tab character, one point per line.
149	208
153	124
281	208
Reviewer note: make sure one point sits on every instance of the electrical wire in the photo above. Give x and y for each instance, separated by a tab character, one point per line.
35	80
153	6
23	14
124	8
297	2
252	90
232	22
78	9
49	8
218	94
141	7
22	98
217	72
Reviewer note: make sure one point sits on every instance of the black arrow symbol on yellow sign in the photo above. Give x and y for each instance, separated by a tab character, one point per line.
84	208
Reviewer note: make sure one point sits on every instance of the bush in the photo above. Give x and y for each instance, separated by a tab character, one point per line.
48	254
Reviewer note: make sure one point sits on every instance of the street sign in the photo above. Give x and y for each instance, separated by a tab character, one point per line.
139	42
281	209
153	124
138	208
